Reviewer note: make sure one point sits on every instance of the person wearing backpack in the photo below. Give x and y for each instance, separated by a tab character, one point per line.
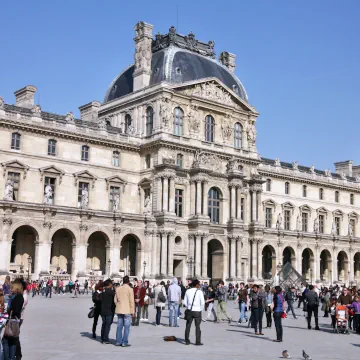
159	301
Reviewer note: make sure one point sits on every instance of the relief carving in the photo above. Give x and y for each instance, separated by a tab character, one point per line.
206	161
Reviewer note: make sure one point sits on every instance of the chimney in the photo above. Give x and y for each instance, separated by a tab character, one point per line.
89	112
25	96
344	167
228	60
143	54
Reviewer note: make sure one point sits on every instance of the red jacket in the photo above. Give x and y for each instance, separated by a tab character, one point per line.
140	296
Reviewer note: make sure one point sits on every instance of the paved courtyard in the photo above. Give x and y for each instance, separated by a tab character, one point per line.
58	328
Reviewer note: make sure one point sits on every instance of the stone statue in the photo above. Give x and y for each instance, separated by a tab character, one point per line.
84	198
2	103
295	166
165	114
277	162
147	204
298	223
70	118
36	110
316	225
252	133
48	195
334	229
328	173
312	169
279	221
116	202
343	176
102	124
350	229
9	190
194	123
357	178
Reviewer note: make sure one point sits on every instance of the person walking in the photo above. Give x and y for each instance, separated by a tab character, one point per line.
257	304
86	287
312	301
325	299
125	310
241	299
278	300
96	298
301	295
290	298
145	308
139	295
221	305
194	304
107	310
174	299
159	301
269	300
210	301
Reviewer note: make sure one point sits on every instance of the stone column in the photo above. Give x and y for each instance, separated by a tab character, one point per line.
154	259
164	241
79	260
5	247
238	196
254	258
192	198
171	245
204	258
198	198
41	266
351	267
253	206
317	264
260	263
172	195
233	202
205	198
239	275
159	194
232	255
197	255
335	276
166	195
248	208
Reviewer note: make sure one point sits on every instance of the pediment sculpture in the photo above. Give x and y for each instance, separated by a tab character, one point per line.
165	113
206	161
193	119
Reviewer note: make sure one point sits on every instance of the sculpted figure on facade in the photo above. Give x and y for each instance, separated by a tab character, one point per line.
2	103
277	162
327	173
350	229
70	118
207	161
102	123
343	176
9	190
316	225
147	205
48	195
357	178
279	221
193	119
165	113
36	110
312	169
227	128
295	166
252	134
84	198
234	165
116	202
298	223
333	229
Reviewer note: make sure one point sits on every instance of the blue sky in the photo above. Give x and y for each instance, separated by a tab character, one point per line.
298	60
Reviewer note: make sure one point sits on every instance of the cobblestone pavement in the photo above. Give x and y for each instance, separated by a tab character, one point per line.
58	328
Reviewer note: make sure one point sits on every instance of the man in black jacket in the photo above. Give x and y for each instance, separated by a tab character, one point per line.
312	300
107	310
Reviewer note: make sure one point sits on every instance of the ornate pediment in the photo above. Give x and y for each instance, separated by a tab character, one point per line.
51	170
15	165
211	89
204	160
85	175
115	180
269	203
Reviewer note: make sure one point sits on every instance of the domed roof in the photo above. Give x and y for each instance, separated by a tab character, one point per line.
176	64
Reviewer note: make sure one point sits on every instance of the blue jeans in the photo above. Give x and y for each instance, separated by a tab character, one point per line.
173	308
105	327
9	351
242	307
124	321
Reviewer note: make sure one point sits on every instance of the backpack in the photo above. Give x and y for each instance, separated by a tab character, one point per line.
161	297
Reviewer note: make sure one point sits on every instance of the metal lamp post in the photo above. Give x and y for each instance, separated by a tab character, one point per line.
29	266
70	265
144	264
190	264
109	266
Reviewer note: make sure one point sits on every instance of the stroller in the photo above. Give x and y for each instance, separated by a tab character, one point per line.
342	319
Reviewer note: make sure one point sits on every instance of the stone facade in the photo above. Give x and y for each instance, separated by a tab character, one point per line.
167	181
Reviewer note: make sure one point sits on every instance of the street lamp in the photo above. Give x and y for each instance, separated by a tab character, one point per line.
109	266
70	267
29	266
190	264
144	264
330	280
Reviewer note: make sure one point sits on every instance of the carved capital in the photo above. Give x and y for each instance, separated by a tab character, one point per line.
83	227
47	224
7	221
116	230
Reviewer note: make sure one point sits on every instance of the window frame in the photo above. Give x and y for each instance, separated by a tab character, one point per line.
53	186
180	160
321	218
179	202
287	188
15	177
337	220
148	161
85	153
304	221
321	194
209	128
268	184
128	122
287	219
214	205
352	199
15	141
337	196
115	160
304	190
178	121
52	147
268	217
112	194
149	124
238	131
80	187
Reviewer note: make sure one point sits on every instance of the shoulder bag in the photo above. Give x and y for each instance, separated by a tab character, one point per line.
161	297
91	313
187	314
12	328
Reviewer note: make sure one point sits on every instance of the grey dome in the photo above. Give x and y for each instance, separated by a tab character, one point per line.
175	65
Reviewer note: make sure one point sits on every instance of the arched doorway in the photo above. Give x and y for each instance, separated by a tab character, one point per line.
268	262
342	266
325	265
307	264
289	256
61	251
215	266
129	255
23	247
357	266
96	253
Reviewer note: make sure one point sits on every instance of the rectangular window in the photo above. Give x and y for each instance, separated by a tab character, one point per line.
116	159
304	222
321	194
337	224
287	220
304	191
15	141
15	177
336	196
114	197
321	224
147	161
82	186
268	217
85	153
351	199
49	190
52	147
242	205
179	202
352	222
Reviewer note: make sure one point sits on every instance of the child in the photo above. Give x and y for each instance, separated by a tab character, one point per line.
333	312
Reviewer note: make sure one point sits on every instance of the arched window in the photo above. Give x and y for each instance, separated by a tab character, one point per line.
287	188
15	141
209	128
268	185
178	121
321	194
237	135
128	123
179	160
304	190
214	205
336	196
85	153
149	120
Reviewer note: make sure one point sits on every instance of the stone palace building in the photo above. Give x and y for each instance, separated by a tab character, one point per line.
164	178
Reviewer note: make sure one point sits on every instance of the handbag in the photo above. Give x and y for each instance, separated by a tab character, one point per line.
187	314
161	297
12	328
271	306
284	315
91	313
